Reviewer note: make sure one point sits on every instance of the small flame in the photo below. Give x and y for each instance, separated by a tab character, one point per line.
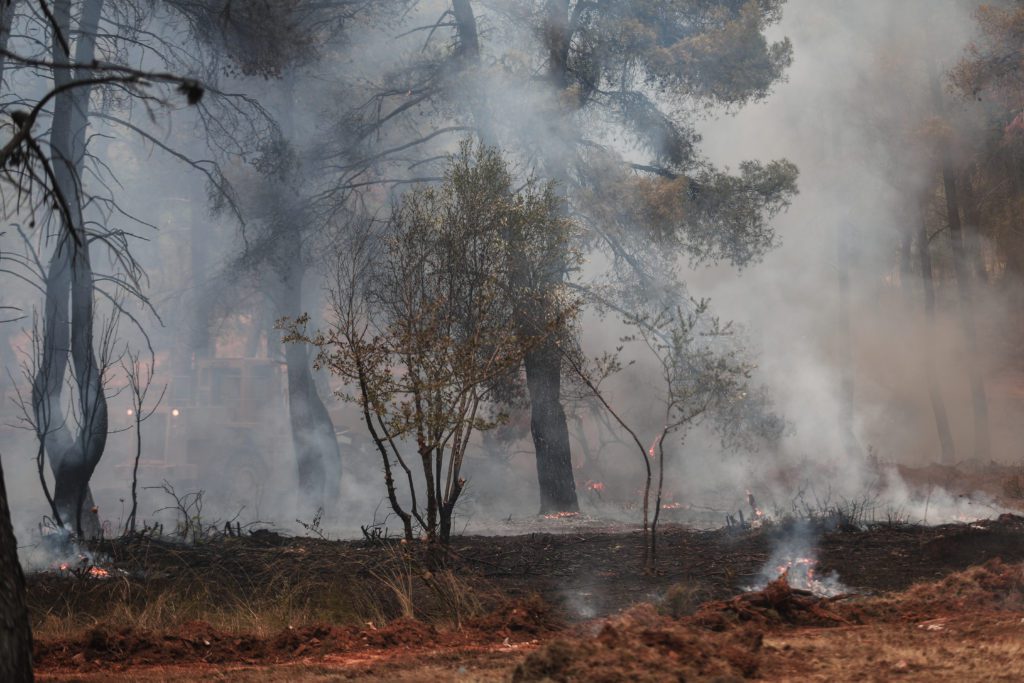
671	506
597	486
758	512
654	444
561	515
98	573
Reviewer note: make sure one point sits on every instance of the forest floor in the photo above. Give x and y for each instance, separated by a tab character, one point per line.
922	603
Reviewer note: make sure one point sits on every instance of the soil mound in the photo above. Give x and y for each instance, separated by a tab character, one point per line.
778	603
993	586
643	646
526	617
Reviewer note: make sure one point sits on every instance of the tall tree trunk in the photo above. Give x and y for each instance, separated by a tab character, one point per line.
543	365
549	429
844	344
73	458
317	455
964	284
947	450
466	28
15	631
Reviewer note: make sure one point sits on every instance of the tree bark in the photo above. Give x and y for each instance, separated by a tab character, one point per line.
549	429
947	450
466	29
15	631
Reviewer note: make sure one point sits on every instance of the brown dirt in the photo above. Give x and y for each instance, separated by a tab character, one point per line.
972	632
98	648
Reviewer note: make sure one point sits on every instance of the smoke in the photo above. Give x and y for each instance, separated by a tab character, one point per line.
859	72
795	558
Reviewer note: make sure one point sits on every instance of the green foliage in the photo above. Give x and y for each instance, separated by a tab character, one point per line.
425	319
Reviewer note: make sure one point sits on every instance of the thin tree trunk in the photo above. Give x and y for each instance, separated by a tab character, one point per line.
948	453
15	631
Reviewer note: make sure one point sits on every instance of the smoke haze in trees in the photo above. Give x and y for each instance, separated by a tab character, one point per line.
857	90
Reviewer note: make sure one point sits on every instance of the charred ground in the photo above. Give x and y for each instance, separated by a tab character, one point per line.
375	608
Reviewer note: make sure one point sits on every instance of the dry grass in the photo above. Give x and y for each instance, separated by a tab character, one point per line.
257	587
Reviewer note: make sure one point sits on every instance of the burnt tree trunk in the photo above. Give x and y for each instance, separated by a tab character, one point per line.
15	631
947	450
549	429
548	424
73	456
543	365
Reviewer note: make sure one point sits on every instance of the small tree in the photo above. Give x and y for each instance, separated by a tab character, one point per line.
424	331
140	379
705	376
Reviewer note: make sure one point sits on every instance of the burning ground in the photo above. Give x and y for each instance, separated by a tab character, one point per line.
925	603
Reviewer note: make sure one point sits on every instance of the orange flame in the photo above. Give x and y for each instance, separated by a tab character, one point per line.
654	444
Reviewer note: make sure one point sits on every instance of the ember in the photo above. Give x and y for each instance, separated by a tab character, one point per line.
83	569
561	515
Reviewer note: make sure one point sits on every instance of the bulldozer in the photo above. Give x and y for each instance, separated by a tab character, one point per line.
223	429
